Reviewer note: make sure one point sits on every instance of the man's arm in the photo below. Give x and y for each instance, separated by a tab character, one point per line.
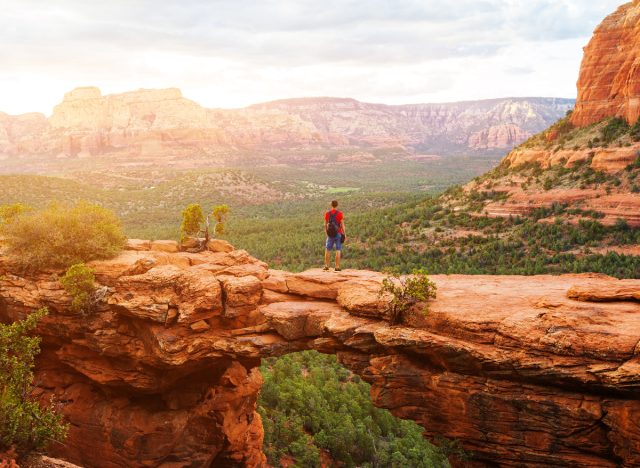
344	229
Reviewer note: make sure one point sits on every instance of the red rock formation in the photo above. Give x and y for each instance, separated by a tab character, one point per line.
609	83
609	86
164	373
610	159
162	123
612	206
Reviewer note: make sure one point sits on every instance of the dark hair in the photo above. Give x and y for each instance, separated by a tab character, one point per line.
334	203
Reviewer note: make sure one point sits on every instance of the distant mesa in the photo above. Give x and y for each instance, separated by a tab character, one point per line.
79	94
161	123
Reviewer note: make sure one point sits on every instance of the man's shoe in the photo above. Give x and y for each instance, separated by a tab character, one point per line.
325	269
338	269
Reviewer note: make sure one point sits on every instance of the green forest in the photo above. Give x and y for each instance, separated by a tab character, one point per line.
313	409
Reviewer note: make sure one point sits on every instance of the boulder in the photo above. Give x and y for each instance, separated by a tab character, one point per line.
219	245
165	246
615	290
191	243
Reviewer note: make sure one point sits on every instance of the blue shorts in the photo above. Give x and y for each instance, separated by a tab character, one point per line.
334	241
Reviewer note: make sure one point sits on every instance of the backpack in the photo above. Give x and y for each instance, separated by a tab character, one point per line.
332	226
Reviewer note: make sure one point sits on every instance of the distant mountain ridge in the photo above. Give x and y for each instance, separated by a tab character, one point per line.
478	125
151	122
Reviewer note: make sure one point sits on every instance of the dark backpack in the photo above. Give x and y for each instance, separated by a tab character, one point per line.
332	226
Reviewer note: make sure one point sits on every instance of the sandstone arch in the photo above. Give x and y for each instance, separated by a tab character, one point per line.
165	373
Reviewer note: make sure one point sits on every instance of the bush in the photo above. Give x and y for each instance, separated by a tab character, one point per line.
635	131
79	282
563	127
407	292
635	164
24	425
220	213
614	129
61	236
10	212
192	219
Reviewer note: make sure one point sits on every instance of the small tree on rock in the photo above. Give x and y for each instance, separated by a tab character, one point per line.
192	219
195	224
79	283
405	292
219	214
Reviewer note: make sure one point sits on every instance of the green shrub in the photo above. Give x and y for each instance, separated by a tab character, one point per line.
563	127
635	164
192	219
614	129
79	283
10	212
220	214
406	292
60	236
635	131
24	425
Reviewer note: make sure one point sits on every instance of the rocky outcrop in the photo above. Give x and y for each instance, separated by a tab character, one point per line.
606	159
612	207
495	124
609	83
162	123
524	371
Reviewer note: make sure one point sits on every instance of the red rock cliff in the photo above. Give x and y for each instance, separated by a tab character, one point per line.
609	82
525	371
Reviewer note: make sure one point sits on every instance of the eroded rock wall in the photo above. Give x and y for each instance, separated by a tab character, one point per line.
609	82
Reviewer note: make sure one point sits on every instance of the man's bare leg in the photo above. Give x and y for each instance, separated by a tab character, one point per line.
327	258
338	259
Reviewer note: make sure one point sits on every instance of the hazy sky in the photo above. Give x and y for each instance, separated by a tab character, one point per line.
237	52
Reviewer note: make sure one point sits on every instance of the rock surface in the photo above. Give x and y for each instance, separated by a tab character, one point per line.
609	82
164	373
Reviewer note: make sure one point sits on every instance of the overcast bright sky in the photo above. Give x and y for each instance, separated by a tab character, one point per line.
238	52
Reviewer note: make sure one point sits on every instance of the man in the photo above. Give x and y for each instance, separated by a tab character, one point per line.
334	228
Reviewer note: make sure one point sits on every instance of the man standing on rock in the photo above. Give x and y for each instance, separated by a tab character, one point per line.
334	228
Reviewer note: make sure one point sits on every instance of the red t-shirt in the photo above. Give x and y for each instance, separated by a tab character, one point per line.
339	217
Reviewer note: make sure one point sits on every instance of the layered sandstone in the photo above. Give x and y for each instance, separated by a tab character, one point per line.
608	159
609	82
524	371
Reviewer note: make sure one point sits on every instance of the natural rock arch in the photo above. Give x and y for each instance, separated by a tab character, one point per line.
165	373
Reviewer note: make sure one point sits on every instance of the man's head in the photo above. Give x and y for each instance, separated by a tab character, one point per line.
334	203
